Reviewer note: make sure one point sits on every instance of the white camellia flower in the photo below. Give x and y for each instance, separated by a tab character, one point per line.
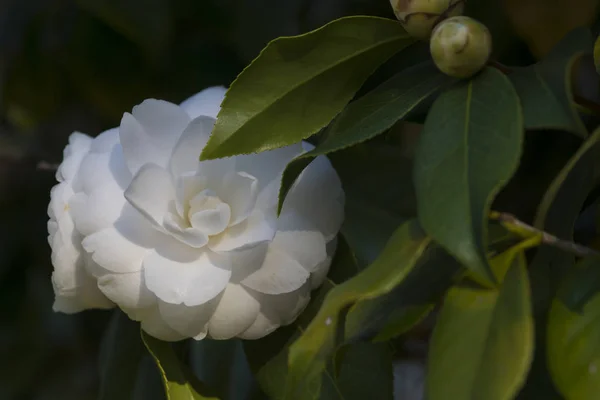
189	248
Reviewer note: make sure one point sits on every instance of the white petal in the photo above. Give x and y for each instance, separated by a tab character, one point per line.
284	308
186	154
97	211
315	201
122	247
127	290
100	169
181	274
319	275
240	191
82	295
187	186
191	236
208	213
236	311
279	274
207	102
154	325
269	165
78	147
105	141
152	193
306	247
257	228
262	326
150	132
188	321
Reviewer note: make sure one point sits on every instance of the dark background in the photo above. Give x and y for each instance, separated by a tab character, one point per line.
77	65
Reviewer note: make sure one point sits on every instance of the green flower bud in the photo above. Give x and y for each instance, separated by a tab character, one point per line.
460	46
420	16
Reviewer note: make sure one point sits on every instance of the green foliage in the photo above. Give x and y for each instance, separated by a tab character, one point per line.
433	169
298	84
468	151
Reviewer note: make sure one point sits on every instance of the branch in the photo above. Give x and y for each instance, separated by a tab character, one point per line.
511	223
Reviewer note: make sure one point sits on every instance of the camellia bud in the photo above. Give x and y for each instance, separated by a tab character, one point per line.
460	46
420	16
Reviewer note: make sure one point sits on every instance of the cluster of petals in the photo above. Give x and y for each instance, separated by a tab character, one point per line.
188	248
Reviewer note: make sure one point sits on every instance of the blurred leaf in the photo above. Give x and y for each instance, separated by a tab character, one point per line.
366	372
148	385
402	320
597	54
222	365
178	381
146	23
481	332
543	23
370	220
545	89
308	355
371	115
298	84
120	355
557	214
468	150
573	351
582	284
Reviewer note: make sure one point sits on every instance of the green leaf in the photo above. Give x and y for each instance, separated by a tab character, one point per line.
597	54
268	356
121	352
573	351
545	88
582	285
179	382
371	115
298	84
557	214
402	320
370	220
308	356
469	149
482	344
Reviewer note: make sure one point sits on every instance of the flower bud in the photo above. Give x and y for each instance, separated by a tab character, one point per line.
460	46
420	16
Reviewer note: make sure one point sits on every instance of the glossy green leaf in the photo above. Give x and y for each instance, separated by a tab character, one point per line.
545	88
121	352
371	115
469	149
482	344
309	354
179	382
298	84
573	351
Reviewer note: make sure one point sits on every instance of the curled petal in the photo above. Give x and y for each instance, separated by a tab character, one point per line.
236	311
207	102
261	327
181	274
279	274
189	321
152	193
154	325
257	228
315	201
78	147
128	290
239	190
185	156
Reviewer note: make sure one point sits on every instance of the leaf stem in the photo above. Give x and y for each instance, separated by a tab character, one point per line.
511	223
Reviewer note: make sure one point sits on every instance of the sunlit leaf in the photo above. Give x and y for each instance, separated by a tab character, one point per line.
480	333
309	354
178	381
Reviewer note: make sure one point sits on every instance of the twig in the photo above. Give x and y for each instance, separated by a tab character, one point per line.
519	227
